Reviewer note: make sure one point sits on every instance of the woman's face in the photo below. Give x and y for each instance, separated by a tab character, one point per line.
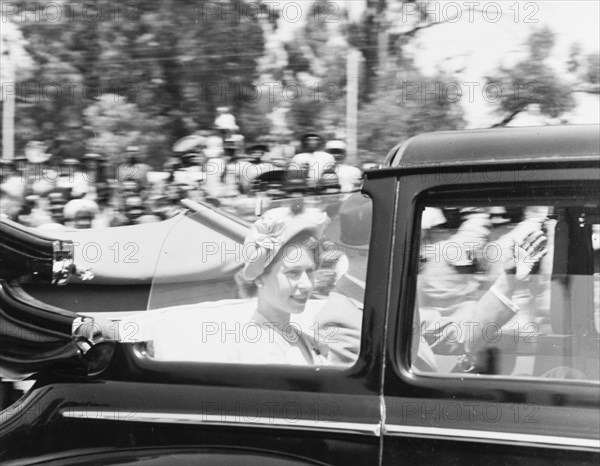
288	283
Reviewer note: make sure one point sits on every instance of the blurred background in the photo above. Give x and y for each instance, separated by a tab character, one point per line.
114	111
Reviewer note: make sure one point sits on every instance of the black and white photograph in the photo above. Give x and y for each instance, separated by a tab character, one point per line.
311	232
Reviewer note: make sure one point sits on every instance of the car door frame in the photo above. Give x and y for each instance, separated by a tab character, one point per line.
549	421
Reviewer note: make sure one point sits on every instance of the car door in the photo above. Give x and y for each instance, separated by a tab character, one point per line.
140	406
531	394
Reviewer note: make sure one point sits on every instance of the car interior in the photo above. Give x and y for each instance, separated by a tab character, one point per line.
555	332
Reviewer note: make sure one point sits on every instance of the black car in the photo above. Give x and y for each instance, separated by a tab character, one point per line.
420	370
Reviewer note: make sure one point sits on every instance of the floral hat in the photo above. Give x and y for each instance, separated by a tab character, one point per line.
273	231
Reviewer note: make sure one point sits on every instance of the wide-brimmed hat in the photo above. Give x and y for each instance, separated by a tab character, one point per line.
270	233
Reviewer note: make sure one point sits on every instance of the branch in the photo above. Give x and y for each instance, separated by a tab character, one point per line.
413	31
508	119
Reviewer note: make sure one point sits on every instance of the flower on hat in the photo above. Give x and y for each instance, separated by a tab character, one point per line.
264	241
270	231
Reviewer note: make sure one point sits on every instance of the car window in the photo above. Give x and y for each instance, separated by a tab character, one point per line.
213	300
509	289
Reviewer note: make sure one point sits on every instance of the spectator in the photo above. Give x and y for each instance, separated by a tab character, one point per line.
312	162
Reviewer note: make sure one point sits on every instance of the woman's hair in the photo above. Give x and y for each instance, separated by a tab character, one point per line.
304	240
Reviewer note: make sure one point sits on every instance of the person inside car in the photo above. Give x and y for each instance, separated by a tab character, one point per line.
464	336
281	256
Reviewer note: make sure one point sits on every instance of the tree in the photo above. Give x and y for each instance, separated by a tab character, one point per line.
593	70
115	124
317	58
317	66
397	106
400	109
532	82
175	60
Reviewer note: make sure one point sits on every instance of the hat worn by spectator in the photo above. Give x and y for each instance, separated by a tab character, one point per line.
70	162
336	148
80	207
192	143
335	144
270	233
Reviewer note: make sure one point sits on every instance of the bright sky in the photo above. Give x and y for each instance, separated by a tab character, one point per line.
481	45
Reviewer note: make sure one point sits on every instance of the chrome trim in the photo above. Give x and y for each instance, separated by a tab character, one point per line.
225	420
536	440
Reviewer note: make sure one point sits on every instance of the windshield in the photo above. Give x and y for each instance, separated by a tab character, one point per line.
272	281
203	251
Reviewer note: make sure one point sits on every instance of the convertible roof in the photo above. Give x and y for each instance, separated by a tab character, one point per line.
499	145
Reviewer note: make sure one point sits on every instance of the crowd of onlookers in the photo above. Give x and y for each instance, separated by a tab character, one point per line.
214	166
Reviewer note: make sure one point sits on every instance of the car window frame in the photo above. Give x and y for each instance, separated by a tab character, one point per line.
402	385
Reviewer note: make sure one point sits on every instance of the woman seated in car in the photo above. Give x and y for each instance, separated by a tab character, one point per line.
281	256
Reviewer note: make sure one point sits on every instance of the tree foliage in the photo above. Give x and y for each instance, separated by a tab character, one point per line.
400	109
175	61
532	81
